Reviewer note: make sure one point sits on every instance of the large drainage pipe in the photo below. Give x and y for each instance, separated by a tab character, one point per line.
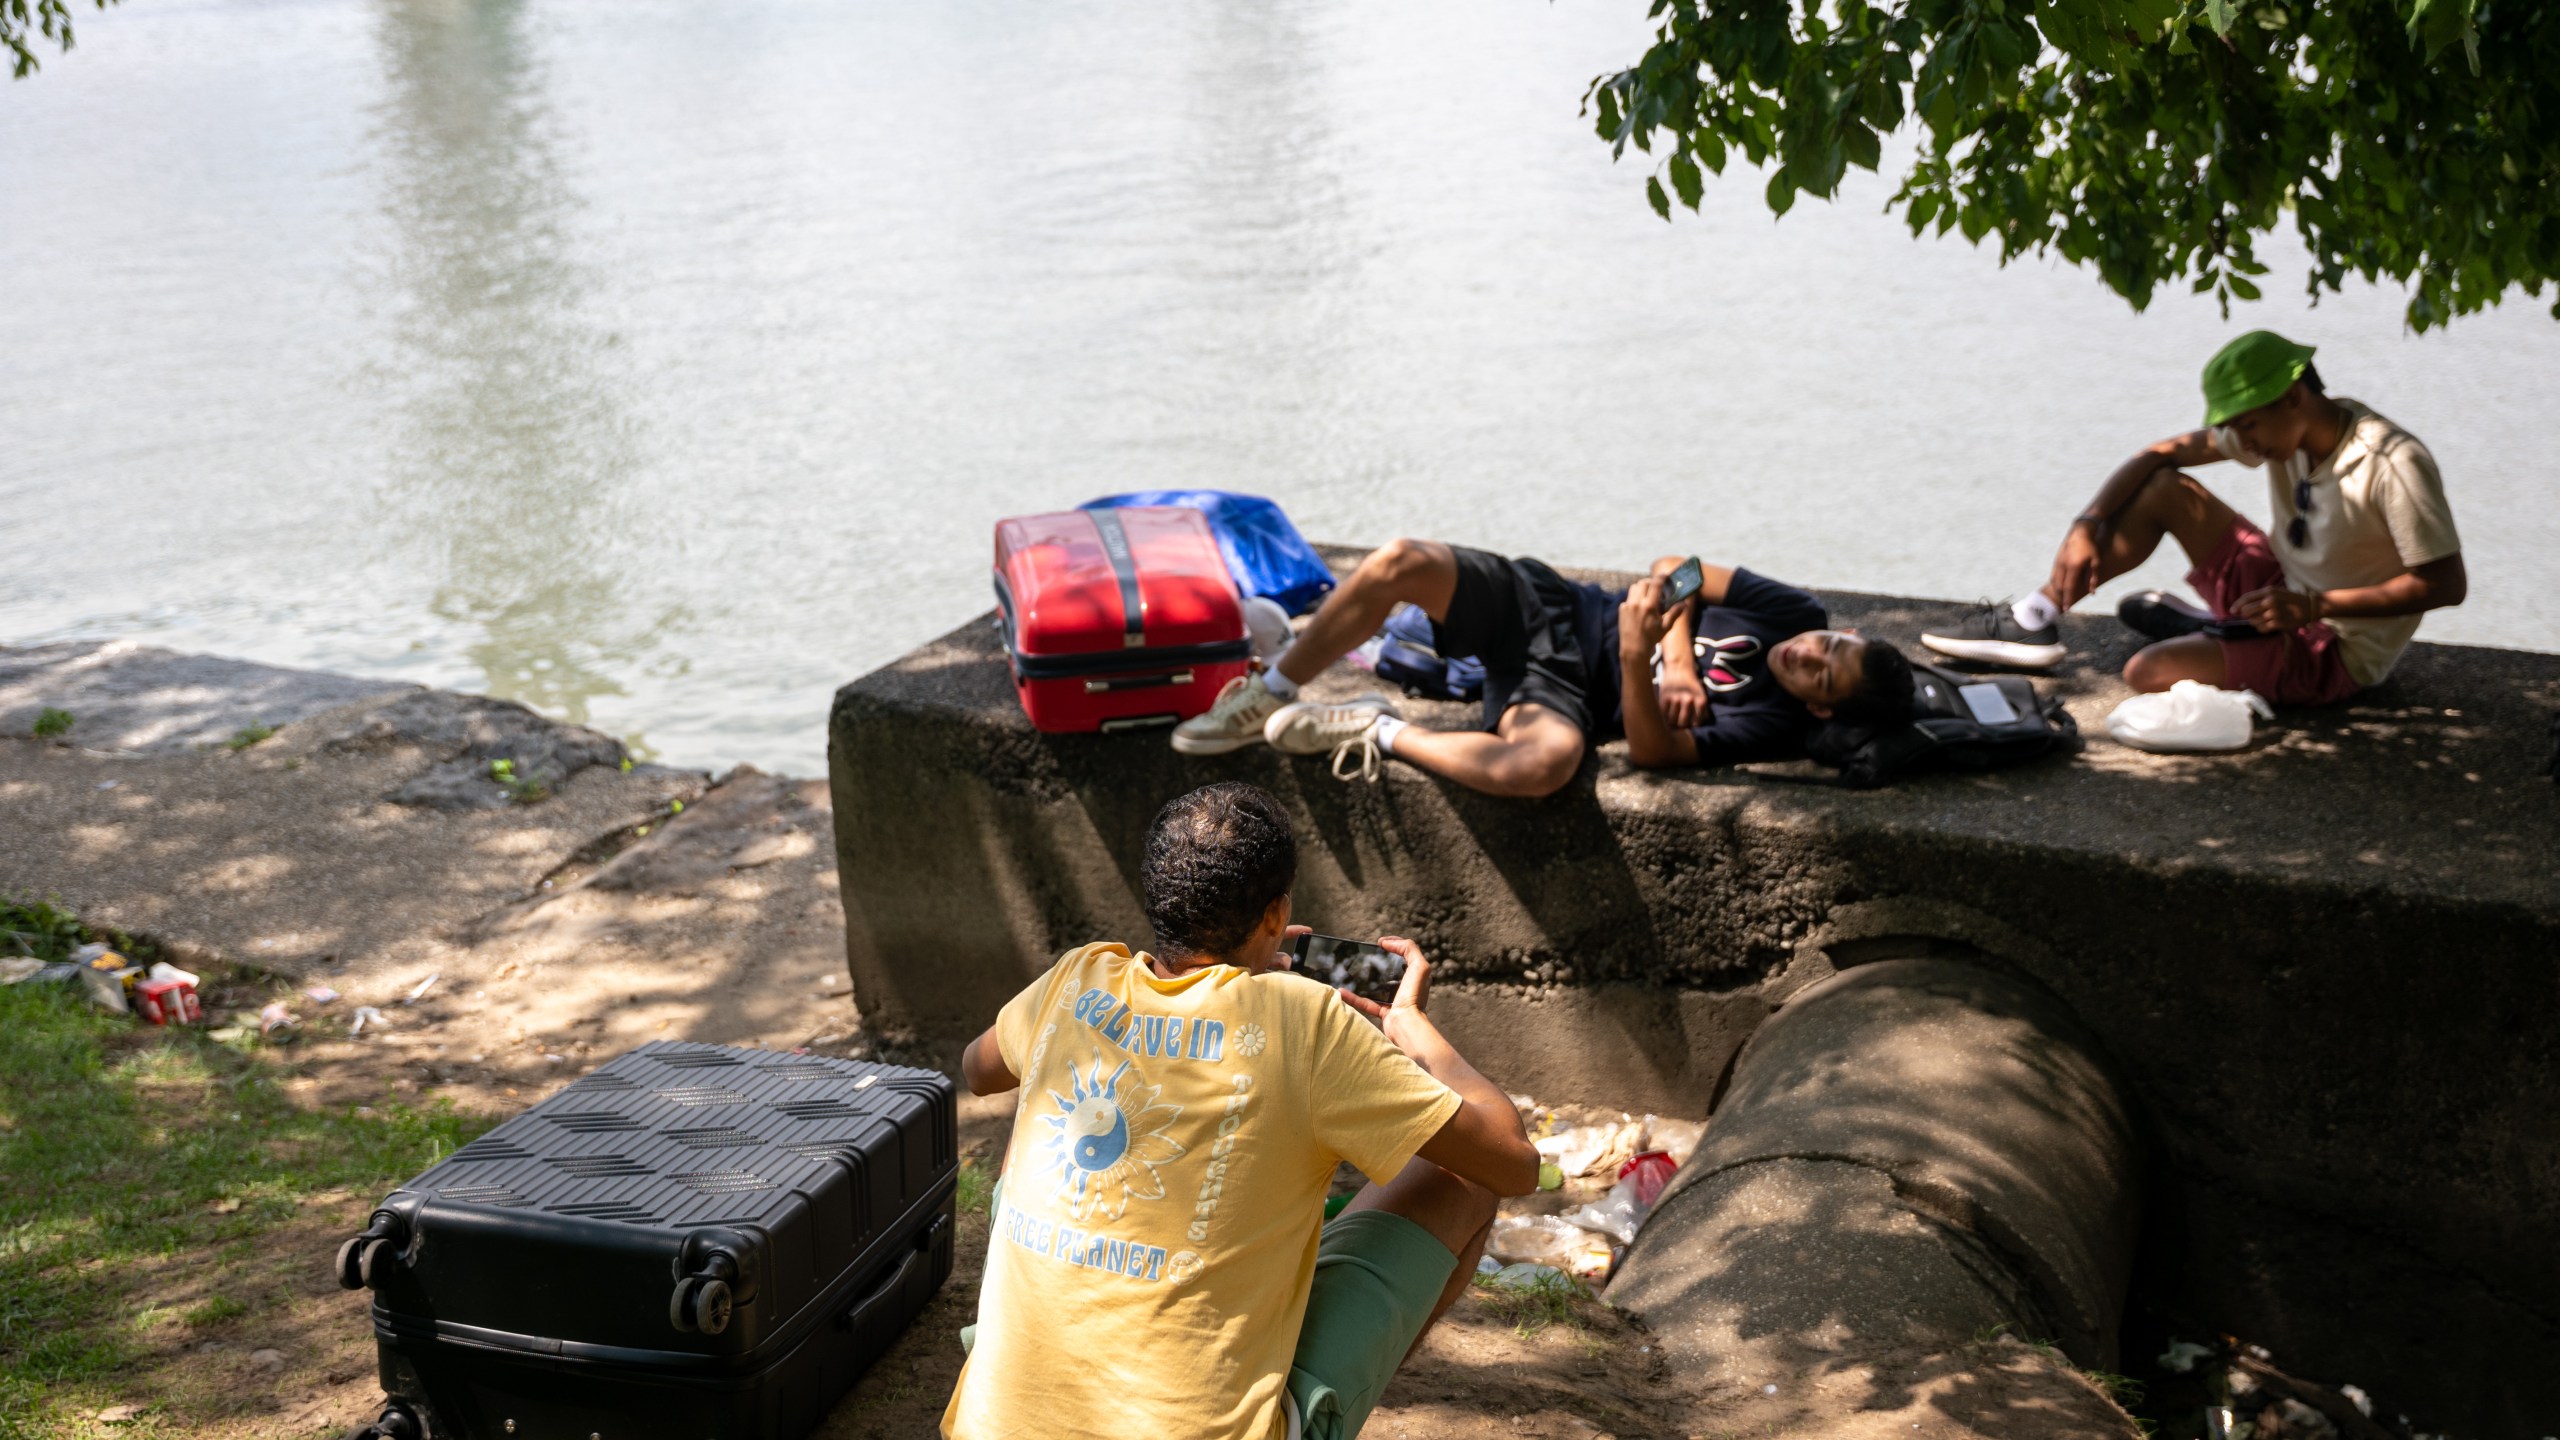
1913	1158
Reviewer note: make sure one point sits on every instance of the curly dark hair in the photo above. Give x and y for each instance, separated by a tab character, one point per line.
1884	693
1216	859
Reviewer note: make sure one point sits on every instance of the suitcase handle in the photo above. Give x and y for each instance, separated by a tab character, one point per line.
882	1293
1124	568
1136	682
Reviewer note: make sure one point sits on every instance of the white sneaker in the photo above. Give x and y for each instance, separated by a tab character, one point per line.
1990	633
1311	727
1234	722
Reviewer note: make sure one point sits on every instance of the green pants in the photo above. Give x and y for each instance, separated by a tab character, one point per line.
1377	1277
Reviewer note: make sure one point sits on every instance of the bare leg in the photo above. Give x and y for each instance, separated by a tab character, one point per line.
2154	668
1422	572
1534	753
1458	1213
2171	503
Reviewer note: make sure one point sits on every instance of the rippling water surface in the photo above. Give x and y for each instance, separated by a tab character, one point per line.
664	365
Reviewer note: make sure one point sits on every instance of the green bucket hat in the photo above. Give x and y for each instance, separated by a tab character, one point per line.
2249	372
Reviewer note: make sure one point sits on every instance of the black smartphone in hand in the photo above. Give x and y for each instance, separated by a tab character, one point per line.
1371	971
1683	582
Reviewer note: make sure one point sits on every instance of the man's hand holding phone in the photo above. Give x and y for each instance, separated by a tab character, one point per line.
1644	617
1413	992
1642	622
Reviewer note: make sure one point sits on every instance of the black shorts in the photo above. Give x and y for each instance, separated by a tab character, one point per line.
1519	618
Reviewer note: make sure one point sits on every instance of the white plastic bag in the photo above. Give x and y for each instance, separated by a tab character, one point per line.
2188	716
1552	1240
1617	1215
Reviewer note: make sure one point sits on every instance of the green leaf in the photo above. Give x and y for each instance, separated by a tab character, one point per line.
1685	180
1781	193
2242	287
1653	195
1862	146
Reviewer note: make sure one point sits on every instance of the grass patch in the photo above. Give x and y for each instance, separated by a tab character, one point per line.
49	932
248	735
51	722
977	1188
2123	1389
1528	1309
218	1310
124	1149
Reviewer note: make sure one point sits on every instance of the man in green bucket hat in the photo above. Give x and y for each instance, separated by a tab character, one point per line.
2308	612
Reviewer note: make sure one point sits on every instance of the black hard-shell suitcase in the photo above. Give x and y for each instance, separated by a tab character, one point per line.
694	1242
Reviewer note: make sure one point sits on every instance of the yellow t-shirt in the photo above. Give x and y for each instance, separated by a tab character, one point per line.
1150	1258
2377	509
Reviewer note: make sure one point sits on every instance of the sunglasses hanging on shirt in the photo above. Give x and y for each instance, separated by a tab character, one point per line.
2300	530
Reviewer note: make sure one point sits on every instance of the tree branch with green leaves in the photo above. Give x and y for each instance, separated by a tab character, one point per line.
2415	141
19	20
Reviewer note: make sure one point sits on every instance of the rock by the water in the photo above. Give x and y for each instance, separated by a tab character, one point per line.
467	734
125	696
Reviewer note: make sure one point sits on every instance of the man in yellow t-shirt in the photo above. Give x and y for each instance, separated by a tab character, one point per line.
2308	611
1159	1263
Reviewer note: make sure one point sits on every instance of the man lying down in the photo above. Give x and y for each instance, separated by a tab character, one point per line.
1738	668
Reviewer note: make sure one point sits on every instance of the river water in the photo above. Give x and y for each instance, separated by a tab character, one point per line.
664	364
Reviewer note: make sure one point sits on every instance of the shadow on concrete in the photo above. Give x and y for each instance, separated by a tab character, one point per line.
141	699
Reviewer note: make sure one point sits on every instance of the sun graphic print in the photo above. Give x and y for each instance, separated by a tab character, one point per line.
1108	1140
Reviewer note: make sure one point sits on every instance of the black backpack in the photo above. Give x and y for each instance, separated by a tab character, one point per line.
1958	722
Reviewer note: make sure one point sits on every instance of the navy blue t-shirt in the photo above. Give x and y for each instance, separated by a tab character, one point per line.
1750	716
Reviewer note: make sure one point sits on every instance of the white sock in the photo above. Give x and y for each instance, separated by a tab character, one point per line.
1385	733
2036	611
1279	684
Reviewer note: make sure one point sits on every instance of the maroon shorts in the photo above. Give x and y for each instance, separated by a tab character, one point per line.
2294	667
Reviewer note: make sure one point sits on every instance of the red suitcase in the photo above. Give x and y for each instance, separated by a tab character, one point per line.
1117	618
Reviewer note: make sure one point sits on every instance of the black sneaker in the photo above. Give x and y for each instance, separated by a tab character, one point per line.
2161	615
1993	636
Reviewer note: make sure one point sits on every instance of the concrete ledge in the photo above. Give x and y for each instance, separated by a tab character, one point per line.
2325	966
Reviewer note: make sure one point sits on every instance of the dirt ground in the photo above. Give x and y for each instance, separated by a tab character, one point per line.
509	950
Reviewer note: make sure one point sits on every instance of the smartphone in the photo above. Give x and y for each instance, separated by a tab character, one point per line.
1372	971
2233	629
1683	582
1987	703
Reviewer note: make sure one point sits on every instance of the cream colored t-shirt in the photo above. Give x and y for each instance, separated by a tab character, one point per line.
1151	1255
2377	509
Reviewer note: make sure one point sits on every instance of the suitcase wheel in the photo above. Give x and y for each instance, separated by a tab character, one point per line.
700	1303
364	1260
397	1422
374	1261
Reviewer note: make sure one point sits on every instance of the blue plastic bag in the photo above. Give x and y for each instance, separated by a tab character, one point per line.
1263	551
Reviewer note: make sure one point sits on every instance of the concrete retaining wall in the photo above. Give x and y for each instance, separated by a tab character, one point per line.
2328	968
1913	1152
